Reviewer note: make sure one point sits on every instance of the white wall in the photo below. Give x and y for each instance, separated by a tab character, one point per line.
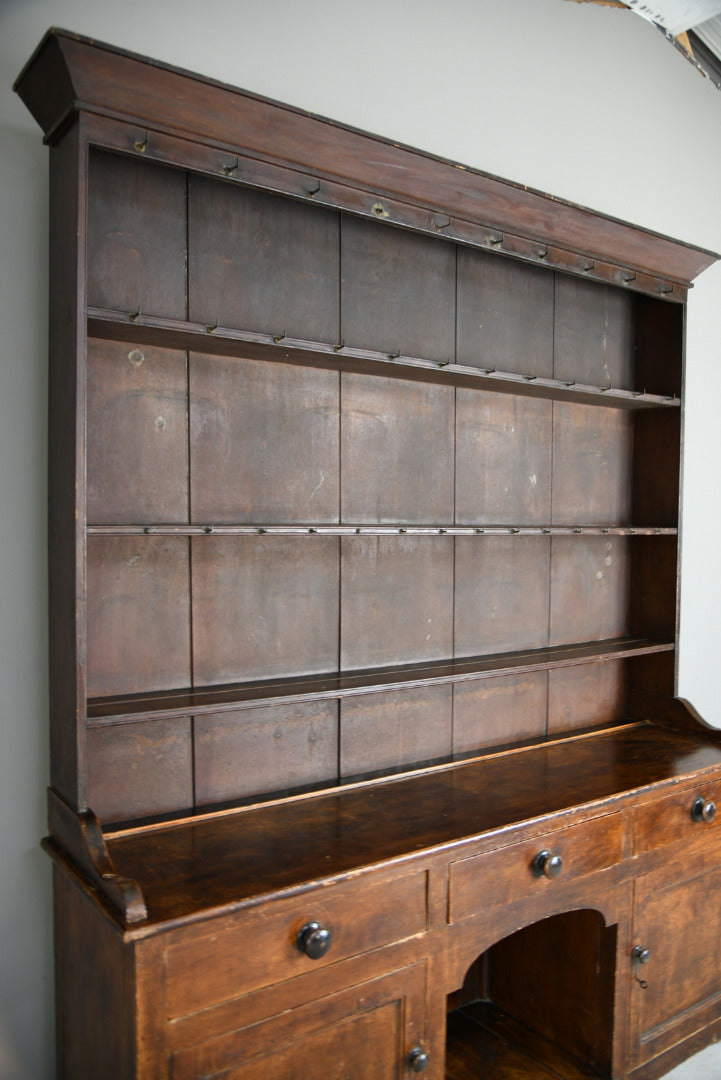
585	102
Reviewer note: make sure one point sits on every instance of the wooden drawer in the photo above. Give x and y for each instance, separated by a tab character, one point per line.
227	957
499	877
667	820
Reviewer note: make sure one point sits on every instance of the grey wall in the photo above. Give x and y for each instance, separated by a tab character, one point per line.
585	102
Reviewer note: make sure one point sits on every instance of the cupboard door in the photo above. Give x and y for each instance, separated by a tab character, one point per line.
367	1032
678	990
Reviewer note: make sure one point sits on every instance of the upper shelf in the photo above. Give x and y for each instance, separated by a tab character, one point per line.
167	333
174	116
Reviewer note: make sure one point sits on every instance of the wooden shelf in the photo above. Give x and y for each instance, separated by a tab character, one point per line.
378	530
212	699
140	328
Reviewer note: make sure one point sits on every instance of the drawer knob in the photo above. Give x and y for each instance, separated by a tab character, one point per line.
640	955
702	810
314	940
548	864
418	1059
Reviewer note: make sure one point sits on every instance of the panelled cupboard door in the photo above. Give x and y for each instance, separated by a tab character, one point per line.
678	990
367	1032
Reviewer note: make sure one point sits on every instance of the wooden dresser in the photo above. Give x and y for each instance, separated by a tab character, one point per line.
364	491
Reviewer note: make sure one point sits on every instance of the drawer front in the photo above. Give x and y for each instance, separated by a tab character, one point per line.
499	877
672	818
233	955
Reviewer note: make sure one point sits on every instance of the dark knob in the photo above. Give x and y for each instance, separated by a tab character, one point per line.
640	954
702	810
314	940
547	863
418	1059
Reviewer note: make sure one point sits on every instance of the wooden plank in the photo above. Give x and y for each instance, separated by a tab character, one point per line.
260	262
397	291
501	600
592	472
136	236
138	614
504	314
590	696
137	434
593	333
263	606
289	747
140	769
503	459
385	613
397	451
242	695
264	441
495	712
394	729
590	584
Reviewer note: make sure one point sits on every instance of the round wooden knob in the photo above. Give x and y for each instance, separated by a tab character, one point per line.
702	810
314	940
418	1059
640	954
548	864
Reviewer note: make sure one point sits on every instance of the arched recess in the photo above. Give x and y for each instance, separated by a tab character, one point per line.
538	1003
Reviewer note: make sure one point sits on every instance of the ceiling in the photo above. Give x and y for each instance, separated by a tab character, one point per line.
693	26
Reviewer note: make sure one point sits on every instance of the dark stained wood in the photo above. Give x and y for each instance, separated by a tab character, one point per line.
395	728
226	861
503	459
263	607
656	466
493	712
228	341
593	337
396	451
66	466
659	346
587	696
397	291
136	236
126	707
178	101
140	769
504	314
654	573
589	588
138	604
260	262
264	441
501	594
592	451
385	614
137	436
289	747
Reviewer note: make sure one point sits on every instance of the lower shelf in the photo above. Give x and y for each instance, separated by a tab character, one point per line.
483	1041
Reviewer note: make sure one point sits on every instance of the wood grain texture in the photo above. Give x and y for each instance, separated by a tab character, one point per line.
136	236
263	606
398	291
397	451
396	728
503	459
590	583
237	755
494	712
593	333
264	442
501	594
592	455
590	695
138	770
397	599
260	262
138	605
137	434
504	314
